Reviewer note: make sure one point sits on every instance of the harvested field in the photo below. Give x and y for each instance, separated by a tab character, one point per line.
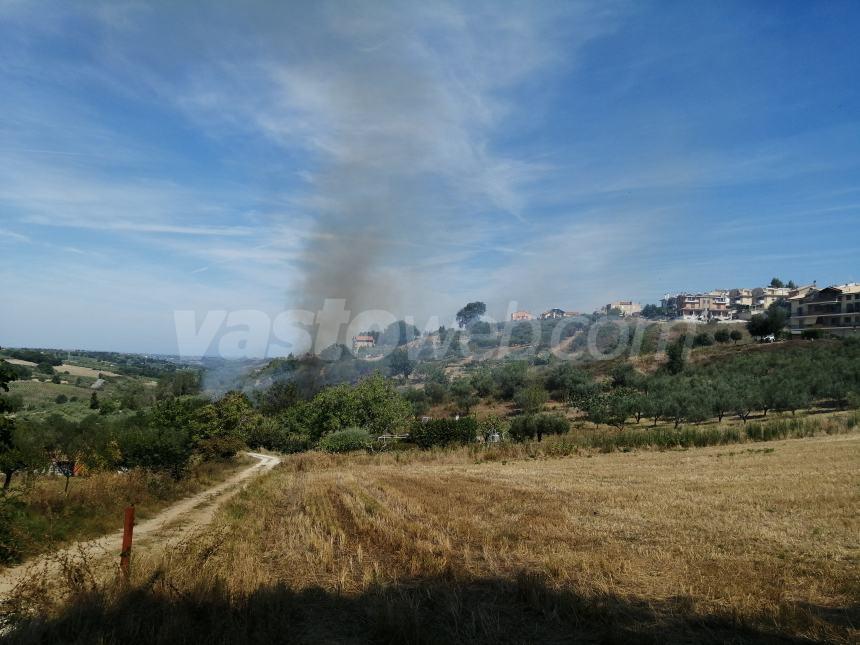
18	361
77	370
750	542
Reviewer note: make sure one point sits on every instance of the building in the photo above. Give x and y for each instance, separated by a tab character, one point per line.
741	302
626	307
832	310
745	303
521	315
703	307
764	297
363	341
552	314
740	299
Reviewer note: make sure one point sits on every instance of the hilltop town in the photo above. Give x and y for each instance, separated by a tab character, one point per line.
833	310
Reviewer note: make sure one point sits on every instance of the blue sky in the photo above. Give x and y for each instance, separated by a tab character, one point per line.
163	156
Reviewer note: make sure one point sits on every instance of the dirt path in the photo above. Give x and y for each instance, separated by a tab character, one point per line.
172	524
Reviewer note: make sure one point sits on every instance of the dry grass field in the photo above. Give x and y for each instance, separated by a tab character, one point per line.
741	543
78	370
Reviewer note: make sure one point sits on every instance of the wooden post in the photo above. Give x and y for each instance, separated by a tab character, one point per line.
127	531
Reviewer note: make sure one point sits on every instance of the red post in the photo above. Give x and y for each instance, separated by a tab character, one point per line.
127	531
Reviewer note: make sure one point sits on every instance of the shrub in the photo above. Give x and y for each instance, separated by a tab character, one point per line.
703	339
722	336
373	404
347	440
61	398
529	426
292	442
443	432
492	424
810	334
531	399
12	403
11	506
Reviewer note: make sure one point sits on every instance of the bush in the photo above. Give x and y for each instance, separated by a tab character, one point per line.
11	506
537	425
722	336
12	403
703	339
444	432
531	399
158	449
346	440
811	334
61	398
373	404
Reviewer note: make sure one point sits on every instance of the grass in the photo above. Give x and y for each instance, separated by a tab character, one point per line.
39	397
755	543
44	517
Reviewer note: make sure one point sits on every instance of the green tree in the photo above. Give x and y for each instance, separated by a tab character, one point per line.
776	318
735	335
625	375
510	377
221	428
652	311
398	333
483	382
399	363
7	375
758	326
20	448
436	392
676	353
277	398
568	383
463	394
776	283
419	401
470	313
179	383
372	404
529	426
531	400
347	440
722	398
703	339
746	396
94	401
623	404
11	456
722	335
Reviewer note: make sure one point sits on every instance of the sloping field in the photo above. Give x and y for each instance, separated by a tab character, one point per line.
18	361
752	542
78	370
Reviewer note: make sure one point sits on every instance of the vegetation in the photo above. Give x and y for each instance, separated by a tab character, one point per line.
470	313
347	440
444	432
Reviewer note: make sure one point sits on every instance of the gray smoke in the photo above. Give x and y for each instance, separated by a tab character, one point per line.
399	109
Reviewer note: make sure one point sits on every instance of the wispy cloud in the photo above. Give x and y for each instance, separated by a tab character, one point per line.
12	235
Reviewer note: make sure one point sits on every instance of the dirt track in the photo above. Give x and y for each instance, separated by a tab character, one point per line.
171	525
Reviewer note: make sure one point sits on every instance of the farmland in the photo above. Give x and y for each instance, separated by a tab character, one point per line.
756	541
